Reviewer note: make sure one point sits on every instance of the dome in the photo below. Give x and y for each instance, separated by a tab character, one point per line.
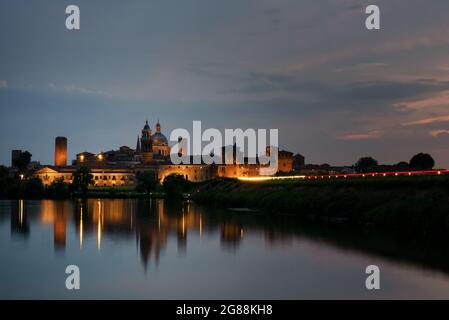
146	127
159	139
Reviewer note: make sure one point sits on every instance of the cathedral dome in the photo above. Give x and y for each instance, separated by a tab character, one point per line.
159	139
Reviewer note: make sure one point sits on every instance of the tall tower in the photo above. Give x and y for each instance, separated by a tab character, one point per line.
146	144
60	151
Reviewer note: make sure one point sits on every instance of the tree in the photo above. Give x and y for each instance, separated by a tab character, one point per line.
58	189
423	161
365	164
5	181
175	185
146	181
82	178
22	162
33	188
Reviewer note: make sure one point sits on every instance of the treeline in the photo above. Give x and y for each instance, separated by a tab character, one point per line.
420	161
416	206
32	188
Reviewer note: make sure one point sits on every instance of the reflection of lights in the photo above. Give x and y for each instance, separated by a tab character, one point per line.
20	212
201	227
183	225
100	220
241	233
81	228
99	235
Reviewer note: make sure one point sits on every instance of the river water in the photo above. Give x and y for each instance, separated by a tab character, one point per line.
154	249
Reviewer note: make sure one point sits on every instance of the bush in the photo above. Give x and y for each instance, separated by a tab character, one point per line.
58	189
33	188
146	182
175	185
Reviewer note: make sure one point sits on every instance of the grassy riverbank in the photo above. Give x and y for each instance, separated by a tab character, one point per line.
416	206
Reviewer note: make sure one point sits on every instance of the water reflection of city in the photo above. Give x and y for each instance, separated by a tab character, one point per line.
151	222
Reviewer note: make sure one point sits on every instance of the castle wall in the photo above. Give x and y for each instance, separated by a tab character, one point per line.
285	164
194	173
237	170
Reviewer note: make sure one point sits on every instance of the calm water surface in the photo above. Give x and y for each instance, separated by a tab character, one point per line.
153	249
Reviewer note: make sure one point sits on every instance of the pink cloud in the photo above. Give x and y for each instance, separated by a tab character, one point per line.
441	99
436	133
362	136
442	118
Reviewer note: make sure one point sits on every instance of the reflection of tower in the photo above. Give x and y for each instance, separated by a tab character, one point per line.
146	144
60	210
151	234
230	235
59	231
151	241
60	151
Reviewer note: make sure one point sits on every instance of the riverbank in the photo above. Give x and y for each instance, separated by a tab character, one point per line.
413	206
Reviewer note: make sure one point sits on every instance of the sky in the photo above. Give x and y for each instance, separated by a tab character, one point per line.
335	90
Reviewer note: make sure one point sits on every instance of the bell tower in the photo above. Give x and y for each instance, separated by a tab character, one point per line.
146	144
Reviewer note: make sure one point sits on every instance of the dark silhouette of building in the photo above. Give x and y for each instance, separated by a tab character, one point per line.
298	161
15	156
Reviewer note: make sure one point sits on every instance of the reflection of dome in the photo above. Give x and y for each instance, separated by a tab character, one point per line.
159	139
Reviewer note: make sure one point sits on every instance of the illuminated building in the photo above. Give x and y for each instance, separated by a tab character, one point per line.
152	154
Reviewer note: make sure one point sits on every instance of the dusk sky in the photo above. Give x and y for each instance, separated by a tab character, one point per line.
335	90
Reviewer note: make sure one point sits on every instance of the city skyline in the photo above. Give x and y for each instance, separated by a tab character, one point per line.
335	91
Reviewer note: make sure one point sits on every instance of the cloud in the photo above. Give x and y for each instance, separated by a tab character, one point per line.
375	134
442	98
357	94
76	89
3	83
436	133
360	67
426	121
424	39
